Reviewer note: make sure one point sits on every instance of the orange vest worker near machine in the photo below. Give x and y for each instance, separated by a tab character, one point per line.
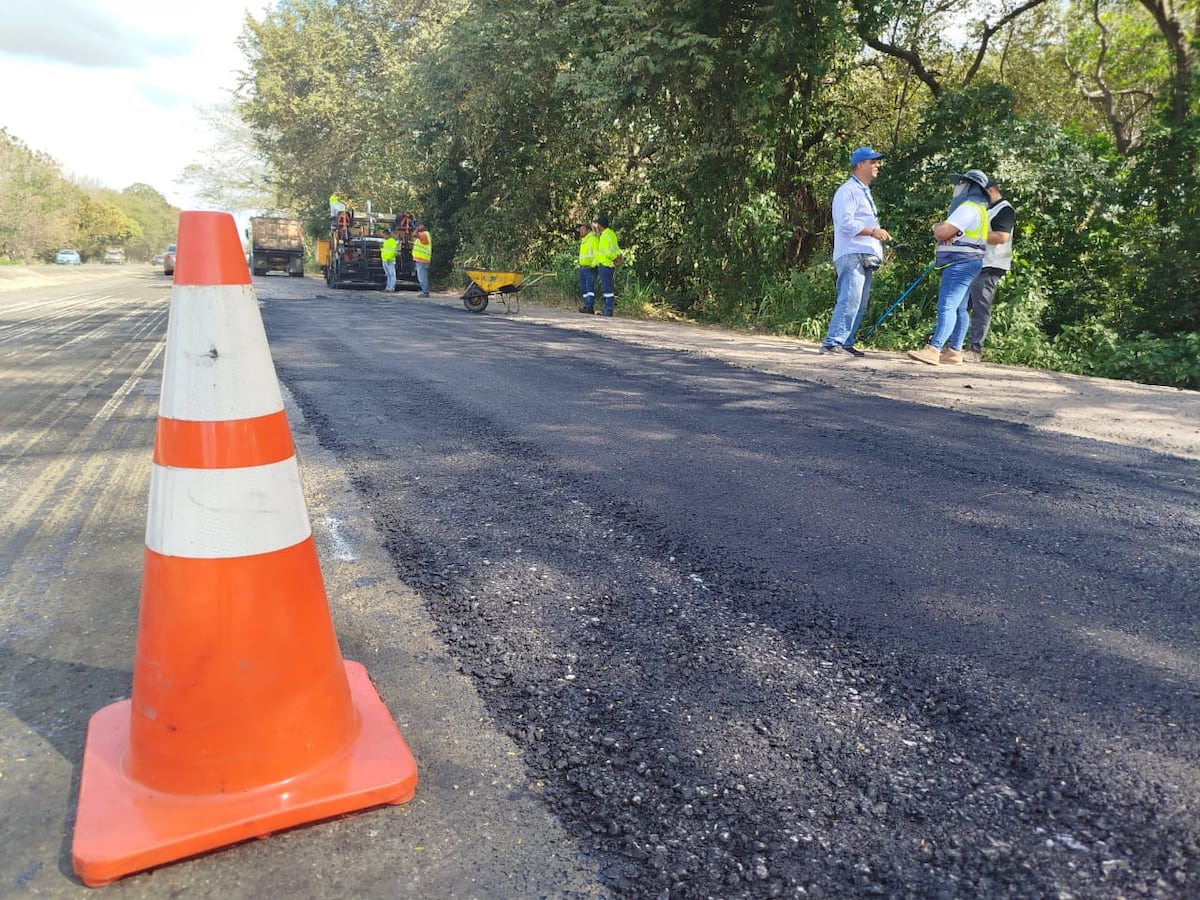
422	253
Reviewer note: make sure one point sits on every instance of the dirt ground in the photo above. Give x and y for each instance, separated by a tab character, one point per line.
1161	419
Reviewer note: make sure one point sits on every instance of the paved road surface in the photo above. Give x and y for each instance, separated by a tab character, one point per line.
878	647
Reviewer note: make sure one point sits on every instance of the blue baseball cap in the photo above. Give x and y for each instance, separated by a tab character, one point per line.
862	154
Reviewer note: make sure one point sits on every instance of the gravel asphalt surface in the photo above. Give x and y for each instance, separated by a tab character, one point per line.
663	611
761	636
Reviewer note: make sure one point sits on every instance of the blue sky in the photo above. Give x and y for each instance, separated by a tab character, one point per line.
111	88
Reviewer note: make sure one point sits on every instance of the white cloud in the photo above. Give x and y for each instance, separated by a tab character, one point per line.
110	88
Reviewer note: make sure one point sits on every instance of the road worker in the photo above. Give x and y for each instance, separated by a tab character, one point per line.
587	267
422	253
608	256
387	254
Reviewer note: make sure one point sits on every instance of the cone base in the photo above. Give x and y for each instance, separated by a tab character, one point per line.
123	827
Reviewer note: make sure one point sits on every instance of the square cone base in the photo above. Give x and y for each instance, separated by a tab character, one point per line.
123	827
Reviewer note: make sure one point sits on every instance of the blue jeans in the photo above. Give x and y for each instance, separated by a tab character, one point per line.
389	269
853	292
423	275
587	285
952	317
606	288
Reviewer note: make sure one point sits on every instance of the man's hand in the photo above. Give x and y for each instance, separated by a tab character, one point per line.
944	231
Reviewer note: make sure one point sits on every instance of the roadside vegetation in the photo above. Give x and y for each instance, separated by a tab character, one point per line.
714	135
42	211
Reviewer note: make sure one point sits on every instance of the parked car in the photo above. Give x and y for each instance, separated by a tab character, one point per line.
156	259
68	258
114	256
168	260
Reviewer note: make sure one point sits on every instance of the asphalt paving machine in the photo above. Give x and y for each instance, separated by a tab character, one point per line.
351	258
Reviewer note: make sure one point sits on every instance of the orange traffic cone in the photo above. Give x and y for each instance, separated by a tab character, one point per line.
244	718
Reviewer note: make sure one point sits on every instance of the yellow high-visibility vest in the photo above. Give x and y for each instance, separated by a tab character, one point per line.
587	250
422	251
607	248
967	246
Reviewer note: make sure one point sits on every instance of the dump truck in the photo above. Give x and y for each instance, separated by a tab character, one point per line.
351	258
276	245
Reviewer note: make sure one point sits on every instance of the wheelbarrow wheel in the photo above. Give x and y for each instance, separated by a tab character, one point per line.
475	299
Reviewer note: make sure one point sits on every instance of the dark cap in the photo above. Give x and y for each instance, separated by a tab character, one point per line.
602	220
862	154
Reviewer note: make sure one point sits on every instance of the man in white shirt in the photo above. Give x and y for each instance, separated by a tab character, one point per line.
857	251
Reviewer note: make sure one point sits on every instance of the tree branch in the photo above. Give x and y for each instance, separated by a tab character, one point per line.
990	30
927	76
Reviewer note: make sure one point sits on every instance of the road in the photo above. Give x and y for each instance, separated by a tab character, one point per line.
654	622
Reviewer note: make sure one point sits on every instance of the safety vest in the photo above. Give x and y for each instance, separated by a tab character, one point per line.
968	245
387	252
587	251
998	256
607	248
422	250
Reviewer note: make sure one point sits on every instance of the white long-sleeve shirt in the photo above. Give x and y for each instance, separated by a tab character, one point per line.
854	210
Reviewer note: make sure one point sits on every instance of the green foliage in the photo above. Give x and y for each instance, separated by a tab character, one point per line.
714	135
37	204
1163	241
1094	349
153	220
41	212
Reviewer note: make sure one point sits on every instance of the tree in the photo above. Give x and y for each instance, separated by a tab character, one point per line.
36	203
157	220
235	175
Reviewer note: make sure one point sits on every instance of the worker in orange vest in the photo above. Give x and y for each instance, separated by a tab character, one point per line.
422	253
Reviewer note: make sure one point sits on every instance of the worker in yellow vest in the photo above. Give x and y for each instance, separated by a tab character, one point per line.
422	253
962	239
608	256
387	254
587	267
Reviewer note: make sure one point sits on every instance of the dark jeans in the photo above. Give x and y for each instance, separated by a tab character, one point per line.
606	288
979	302
587	285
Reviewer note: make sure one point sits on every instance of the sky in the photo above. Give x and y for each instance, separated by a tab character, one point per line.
111	88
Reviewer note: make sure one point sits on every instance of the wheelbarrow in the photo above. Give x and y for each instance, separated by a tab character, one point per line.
502	285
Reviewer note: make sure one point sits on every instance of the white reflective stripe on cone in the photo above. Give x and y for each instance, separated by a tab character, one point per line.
218	364
226	513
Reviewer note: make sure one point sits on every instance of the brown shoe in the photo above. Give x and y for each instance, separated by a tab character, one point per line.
972	356
951	357
928	354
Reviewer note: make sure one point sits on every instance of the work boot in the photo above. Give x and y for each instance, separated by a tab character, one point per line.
586	310
929	354
951	357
